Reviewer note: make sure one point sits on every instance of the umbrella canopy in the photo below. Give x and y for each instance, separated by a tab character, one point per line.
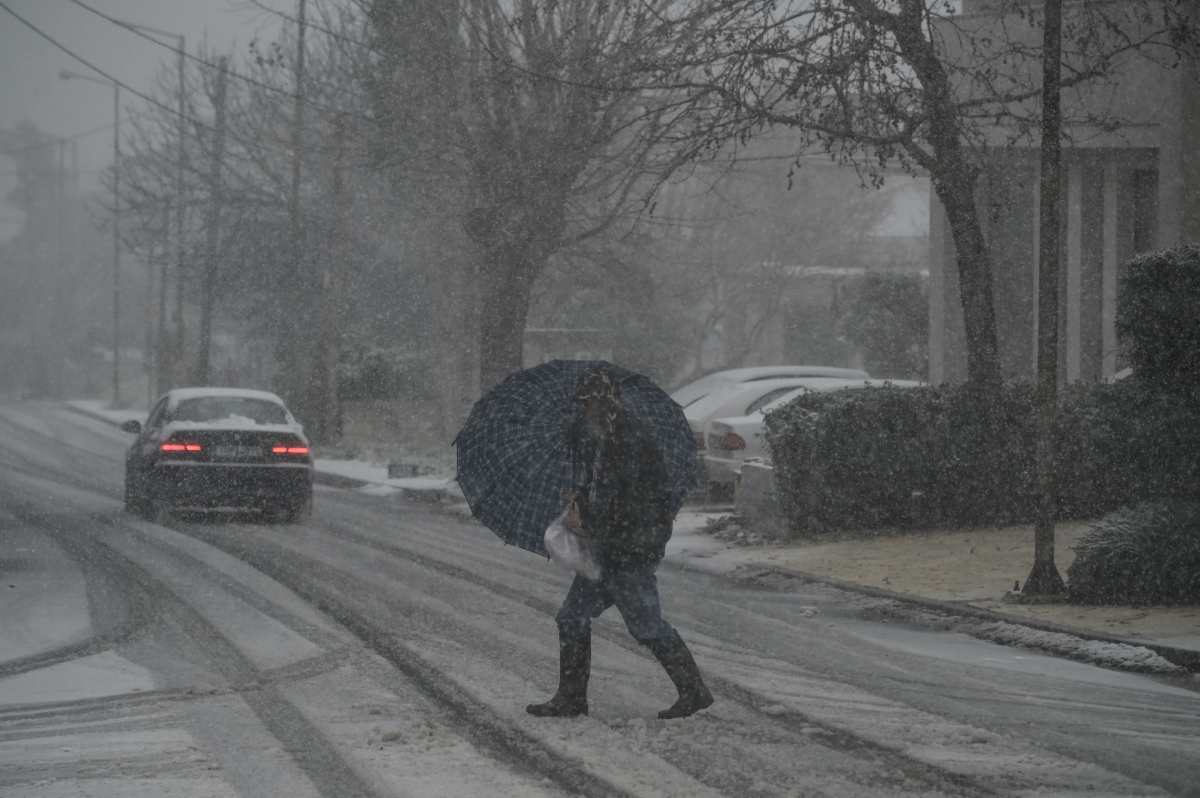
522	447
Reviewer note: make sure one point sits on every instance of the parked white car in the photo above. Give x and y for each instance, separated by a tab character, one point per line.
740	399
723	379
731	441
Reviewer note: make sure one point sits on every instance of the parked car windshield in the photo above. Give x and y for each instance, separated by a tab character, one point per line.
207	409
766	399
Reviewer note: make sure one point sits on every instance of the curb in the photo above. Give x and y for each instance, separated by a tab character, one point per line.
1188	659
338	481
89	414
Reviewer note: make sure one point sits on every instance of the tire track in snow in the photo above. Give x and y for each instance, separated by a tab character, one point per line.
108	582
340	581
316	756
963	758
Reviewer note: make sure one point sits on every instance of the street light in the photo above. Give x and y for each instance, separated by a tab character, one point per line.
161	358
116	341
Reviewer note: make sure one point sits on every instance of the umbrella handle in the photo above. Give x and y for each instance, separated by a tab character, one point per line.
571	508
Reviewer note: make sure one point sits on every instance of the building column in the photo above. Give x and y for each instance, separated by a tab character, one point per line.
1108	291
1034	288
1074	264
947	336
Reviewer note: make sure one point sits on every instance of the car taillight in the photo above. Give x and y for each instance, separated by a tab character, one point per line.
699	441
181	446
732	441
289	448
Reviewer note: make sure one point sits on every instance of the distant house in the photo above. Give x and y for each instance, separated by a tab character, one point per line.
1125	192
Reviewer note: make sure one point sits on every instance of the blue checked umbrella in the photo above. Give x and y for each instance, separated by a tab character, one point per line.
522	449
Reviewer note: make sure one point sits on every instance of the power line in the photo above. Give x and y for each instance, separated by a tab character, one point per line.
185	54
314	26
196	58
90	65
56	141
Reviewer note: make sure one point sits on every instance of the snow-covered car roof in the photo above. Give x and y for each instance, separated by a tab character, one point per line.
234	419
827	385
705	385
177	395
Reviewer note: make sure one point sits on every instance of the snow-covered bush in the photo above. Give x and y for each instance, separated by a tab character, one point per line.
902	457
1147	554
1158	317
956	455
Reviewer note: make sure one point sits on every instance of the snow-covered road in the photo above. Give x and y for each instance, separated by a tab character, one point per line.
384	649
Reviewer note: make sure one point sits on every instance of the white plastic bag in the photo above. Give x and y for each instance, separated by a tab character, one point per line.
571	551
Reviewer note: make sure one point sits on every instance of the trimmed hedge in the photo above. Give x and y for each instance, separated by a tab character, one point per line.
956	455
1148	554
1158	317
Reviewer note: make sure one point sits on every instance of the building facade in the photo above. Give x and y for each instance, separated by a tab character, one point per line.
1124	192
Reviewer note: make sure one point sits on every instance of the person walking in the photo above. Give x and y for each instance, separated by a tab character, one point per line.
625	507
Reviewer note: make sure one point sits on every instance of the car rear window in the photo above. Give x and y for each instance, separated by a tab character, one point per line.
766	399
209	409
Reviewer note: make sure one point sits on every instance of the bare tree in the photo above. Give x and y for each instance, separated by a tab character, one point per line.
913	84
557	139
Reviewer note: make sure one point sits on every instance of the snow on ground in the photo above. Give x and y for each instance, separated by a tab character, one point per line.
376	475
923	736
100	409
45	602
690	538
1108	655
973	567
99	675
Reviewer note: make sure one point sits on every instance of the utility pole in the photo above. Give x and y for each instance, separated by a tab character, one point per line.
116	381
299	368
180	214
1044	579
59	360
213	225
297	129
332	424
170	350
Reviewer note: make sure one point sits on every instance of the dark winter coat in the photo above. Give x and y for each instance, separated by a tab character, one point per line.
627	504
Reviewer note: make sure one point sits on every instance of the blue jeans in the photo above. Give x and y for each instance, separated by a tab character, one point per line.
635	592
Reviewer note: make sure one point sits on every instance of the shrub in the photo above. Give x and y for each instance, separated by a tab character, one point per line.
1158	317
957	455
901	457
1147	554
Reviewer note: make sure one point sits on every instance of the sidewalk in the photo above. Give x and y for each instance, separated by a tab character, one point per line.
961	572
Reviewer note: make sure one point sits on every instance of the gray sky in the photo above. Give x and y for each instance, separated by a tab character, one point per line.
31	91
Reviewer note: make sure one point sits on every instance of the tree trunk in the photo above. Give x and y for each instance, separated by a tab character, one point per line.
508	274
953	180
331	415
1044	579
974	279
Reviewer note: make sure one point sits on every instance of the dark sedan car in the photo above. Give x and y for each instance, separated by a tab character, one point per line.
219	448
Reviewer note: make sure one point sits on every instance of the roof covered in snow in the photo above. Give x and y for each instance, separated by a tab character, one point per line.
181	394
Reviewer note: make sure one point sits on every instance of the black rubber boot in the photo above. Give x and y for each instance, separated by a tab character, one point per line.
677	661
574	667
